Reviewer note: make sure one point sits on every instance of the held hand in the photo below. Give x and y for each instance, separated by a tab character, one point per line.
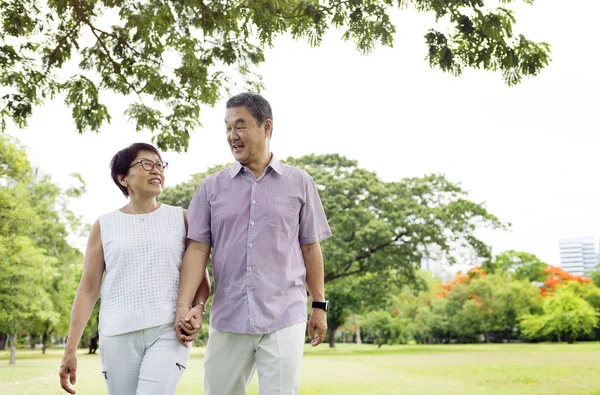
180	314
188	326
67	372
317	326
193	320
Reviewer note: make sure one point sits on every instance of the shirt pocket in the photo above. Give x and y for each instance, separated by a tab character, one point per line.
283	214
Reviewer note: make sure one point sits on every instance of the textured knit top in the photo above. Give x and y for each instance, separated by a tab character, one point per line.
142	256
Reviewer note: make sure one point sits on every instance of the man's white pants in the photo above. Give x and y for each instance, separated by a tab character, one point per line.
145	362
231	358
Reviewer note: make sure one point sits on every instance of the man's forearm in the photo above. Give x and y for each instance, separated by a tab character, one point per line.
192	273
313	260
203	291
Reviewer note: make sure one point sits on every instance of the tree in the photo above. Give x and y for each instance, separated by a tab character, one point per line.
169	58
381	230
595	276
413	307
441	329
36	262
523	265
555	276
480	304
517	298
25	268
591	294
383	328
566	316
61	290
341	303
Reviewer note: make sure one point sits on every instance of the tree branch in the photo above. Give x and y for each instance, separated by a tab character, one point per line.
52	56
116	66
332	276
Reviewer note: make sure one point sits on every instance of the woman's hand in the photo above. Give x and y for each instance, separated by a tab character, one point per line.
186	326
67	372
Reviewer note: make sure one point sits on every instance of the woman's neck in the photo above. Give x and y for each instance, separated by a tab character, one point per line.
142	206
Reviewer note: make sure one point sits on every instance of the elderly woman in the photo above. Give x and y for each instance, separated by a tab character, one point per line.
138	249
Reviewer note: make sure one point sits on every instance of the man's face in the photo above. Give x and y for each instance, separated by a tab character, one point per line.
247	140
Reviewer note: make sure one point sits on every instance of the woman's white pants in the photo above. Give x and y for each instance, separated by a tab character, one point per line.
145	362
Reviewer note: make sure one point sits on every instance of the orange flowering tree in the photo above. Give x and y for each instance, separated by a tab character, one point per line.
557	276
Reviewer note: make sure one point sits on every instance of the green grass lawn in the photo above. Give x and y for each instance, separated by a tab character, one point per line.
353	369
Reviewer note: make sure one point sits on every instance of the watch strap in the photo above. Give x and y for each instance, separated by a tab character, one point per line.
321	305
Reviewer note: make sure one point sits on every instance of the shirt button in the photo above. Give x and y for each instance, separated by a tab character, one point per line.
250	245
256	183
252	223
254	202
249	269
250	293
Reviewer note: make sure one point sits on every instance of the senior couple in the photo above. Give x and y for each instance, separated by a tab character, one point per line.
261	220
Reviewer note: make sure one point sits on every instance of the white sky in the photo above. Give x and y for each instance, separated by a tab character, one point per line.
528	152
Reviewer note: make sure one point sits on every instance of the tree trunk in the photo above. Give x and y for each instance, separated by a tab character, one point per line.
3	339
486	335
357	330
33	339
331	334
13	344
94	344
44	342
558	337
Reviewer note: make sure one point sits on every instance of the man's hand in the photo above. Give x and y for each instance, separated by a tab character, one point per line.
180	313
67	372
317	326
186	326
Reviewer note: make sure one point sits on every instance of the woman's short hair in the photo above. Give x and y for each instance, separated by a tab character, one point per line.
119	165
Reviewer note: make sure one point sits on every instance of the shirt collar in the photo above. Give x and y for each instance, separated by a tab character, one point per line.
273	164
237	167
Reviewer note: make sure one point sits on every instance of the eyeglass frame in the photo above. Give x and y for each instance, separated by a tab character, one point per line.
154	164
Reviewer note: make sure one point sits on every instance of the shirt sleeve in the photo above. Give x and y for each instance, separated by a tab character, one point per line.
199	216
313	222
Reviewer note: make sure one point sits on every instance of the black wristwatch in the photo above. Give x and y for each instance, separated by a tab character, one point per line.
321	305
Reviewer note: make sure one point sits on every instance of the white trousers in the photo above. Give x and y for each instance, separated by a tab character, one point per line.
231	358
145	362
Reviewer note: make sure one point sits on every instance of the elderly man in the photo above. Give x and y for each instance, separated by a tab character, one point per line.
264	221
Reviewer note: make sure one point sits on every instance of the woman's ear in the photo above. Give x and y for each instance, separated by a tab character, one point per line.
122	180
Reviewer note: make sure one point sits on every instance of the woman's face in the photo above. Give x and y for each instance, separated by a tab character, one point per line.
146	176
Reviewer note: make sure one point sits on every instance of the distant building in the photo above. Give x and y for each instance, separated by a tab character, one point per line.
578	256
439	267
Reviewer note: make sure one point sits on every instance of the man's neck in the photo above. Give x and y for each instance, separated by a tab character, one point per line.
258	167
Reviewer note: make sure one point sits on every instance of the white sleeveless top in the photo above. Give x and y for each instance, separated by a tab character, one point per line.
142	256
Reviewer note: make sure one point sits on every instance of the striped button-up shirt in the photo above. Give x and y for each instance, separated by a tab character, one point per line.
256	227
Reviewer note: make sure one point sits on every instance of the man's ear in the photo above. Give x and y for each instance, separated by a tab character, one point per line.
268	125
